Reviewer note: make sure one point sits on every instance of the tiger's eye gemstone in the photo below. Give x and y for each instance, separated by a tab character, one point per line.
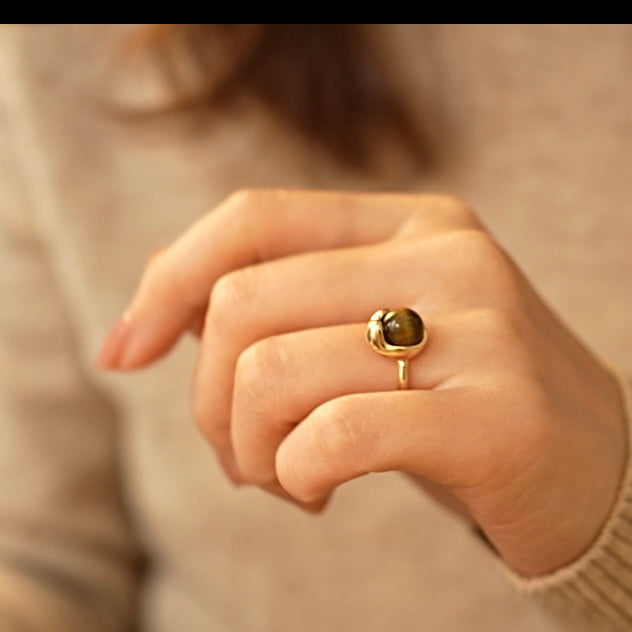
403	327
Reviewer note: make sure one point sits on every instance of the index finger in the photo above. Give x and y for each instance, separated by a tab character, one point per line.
252	226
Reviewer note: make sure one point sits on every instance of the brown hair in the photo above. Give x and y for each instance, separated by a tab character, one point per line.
325	80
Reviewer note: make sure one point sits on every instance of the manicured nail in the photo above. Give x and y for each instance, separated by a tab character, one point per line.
114	345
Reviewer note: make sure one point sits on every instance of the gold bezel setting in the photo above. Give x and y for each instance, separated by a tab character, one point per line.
401	353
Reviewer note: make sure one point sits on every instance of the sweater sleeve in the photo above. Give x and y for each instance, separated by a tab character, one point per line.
595	591
68	560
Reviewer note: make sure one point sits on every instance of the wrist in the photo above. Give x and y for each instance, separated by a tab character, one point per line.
590	484
595	587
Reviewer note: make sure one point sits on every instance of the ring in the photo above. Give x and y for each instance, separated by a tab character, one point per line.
398	333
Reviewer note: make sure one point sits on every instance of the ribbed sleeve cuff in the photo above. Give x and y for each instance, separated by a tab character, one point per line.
595	591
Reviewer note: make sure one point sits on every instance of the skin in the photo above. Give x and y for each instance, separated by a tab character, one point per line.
509	419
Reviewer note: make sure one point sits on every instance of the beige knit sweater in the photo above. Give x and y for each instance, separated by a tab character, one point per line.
113	513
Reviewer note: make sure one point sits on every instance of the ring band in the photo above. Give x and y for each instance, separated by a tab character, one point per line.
398	333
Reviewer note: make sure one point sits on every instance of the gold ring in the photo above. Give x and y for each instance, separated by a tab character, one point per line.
399	333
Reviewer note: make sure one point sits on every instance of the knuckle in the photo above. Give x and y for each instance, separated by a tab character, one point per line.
455	204
242	199
329	444
231	296
459	212
250	206
336	438
259	373
255	210
241	207
502	330
500	323
495	318
465	215
480	257
474	242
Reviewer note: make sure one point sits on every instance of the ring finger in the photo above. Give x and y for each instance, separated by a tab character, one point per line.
280	380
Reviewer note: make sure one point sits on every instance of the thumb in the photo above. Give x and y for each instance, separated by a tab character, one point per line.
433	434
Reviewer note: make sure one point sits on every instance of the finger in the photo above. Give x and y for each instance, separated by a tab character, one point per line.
324	289
250	227
434	434
280	380
302	292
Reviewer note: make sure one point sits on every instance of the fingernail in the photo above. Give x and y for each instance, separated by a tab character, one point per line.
114	345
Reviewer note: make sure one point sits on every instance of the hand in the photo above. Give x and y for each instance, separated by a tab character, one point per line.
508	416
